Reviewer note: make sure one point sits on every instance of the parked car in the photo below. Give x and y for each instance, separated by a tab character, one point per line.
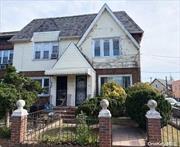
173	102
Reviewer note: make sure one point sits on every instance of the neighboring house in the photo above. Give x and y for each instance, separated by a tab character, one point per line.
73	56
163	86
176	89
6	50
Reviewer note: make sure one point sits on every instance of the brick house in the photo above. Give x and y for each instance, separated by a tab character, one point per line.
176	89
73	56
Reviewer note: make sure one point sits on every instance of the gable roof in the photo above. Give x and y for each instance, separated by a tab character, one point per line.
71	62
105	7
71	26
162	81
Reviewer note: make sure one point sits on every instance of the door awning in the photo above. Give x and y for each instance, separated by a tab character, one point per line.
76	71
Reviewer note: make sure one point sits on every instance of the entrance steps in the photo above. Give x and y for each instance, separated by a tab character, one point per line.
67	113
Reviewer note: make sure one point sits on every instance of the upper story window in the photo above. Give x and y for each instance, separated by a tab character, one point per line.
6	57
46	50
107	47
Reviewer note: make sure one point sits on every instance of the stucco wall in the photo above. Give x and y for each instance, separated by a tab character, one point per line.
106	27
23	56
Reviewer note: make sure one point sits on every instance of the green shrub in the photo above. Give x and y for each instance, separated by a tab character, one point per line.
137	98
112	90
5	132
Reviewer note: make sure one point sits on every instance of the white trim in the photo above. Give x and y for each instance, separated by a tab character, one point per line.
105	7
99	79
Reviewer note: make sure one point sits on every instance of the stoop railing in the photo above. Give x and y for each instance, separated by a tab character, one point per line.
50	128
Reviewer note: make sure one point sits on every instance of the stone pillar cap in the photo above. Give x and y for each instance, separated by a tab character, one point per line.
20	111
152	113
104	111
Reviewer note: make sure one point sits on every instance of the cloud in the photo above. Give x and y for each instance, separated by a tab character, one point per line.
160	21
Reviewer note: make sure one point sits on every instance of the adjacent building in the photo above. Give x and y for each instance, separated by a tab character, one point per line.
163	86
72	57
6	50
176	89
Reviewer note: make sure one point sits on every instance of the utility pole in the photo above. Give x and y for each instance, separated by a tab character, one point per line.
166	85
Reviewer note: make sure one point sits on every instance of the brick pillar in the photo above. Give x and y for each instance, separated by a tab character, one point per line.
105	127
18	123
153	125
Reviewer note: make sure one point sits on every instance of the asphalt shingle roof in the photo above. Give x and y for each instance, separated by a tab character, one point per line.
70	26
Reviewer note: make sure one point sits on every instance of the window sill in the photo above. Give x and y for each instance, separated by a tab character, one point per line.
45	95
43	59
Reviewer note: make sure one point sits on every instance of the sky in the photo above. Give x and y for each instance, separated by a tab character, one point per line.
160	20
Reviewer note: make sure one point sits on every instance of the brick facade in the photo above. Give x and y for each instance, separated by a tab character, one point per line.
135	72
105	132
18	129
33	73
153	132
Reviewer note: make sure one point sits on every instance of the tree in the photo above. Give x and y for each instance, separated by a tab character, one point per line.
136	103
15	86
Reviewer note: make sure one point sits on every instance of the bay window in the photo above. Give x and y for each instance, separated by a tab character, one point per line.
123	80
46	50
107	47
44	82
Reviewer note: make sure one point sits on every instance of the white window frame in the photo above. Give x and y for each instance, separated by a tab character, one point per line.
42	78
110	45
121	75
2	55
52	43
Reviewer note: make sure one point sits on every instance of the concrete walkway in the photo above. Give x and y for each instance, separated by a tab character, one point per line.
125	132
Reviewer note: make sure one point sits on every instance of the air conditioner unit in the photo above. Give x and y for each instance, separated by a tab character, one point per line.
54	56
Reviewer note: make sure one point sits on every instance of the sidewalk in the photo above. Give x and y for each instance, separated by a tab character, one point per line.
126	133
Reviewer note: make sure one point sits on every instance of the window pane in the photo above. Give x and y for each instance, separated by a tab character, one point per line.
5	57
0	57
54	54
115	47
37	54
46	82
106	48
126	82
97	48
46	55
46	86
103	80
11	57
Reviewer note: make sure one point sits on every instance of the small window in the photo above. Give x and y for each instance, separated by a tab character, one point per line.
54	54
106	48
97	48
5	57
46	55
116	47
37	54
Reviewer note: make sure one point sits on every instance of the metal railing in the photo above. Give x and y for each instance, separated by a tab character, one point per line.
170	133
50	128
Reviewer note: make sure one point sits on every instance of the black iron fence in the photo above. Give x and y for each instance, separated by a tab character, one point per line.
171	132
50	128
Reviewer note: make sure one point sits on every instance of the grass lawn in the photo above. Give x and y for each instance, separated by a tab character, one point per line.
170	136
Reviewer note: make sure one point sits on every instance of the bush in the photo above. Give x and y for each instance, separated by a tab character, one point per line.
5	132
137	98
116	96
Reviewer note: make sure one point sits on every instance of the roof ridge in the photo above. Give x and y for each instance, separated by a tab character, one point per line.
69	16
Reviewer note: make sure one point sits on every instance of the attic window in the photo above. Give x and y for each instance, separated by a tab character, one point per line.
107	47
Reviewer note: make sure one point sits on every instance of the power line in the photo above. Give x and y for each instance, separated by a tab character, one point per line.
175	72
